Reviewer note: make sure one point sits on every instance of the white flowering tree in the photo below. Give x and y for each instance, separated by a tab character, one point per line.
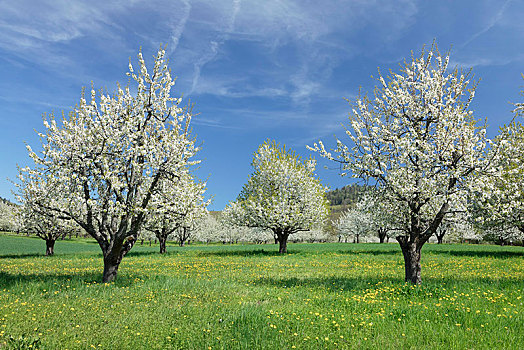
282	195
460	229
312	236
212	228
417	140
45	223
208	229
176	208
252	234
109	156
499	199
355	223
8	216
501	234
384	216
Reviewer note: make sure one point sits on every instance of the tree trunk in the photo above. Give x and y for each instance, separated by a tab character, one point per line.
50	247
382	235
112	259
411	252
110	269
282	244
162	241
113	255
440	238
181	243
281	237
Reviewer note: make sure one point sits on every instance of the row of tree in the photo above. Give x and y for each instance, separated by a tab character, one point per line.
120	165
370	218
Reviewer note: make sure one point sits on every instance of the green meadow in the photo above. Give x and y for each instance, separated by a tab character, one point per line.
318	296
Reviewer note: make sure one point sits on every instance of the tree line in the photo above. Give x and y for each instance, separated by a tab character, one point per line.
121	164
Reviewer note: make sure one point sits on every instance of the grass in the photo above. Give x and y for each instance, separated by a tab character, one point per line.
329	296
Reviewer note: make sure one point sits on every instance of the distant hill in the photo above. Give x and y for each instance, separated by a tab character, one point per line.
6	201
345	196
341	199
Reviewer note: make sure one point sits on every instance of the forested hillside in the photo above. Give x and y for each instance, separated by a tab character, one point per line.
346	195
6	201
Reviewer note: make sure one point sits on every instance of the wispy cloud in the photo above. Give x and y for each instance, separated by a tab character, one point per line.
38	34
486	61
492	22
223	27
301	41
27	101
179	27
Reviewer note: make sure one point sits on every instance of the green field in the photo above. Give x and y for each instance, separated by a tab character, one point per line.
319	296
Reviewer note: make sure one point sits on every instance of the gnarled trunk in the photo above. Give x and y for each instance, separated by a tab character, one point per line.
111	264
411	252
113	255
382	233
49	247
282	245
162	240
281	237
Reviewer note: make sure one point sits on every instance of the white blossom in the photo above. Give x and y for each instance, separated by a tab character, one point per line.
282	195
419	143
108	157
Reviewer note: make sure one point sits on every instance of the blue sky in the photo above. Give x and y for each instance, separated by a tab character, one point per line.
254	69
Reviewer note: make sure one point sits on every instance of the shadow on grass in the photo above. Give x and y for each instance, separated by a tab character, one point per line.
371	252
151	253
21	256
430	286
246	252
8	280
274	252
136	252
501	254
330	283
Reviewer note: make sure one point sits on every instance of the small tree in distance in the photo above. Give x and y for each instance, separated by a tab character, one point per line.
417	140
45	223
384	217
282	195
176	208
499	196
355	222
9	218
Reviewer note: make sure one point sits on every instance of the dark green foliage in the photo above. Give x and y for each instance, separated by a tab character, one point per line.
347	195
6	201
